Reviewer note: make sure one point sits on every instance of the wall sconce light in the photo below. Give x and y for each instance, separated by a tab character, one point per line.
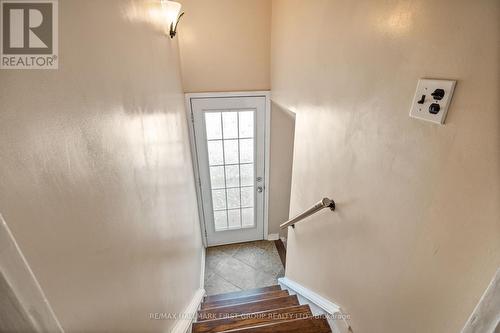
172	10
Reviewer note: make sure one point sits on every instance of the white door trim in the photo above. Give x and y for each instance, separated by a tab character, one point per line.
192	142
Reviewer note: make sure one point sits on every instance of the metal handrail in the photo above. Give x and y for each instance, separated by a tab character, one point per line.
324	203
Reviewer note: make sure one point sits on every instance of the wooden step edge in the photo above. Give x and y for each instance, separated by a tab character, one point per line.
235	310
240	300
306	325
241	293
252	319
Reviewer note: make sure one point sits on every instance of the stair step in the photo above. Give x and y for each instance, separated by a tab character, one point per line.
254	319
239	300
242	293
251	307
306	325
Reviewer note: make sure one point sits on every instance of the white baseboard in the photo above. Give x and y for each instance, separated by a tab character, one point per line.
328	306
202	268
24	284
283	239
273	237
313	299
486	316
183	325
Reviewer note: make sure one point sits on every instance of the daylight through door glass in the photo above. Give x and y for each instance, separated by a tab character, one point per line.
230	143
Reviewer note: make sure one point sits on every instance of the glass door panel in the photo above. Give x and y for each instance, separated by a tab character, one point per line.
230	144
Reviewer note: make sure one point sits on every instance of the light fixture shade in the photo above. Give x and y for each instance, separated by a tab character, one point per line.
171	10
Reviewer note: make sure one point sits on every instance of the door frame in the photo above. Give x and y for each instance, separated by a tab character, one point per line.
194	156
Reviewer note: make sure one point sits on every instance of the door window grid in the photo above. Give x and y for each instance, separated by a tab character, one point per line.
242	138
229	164
231	214
230	187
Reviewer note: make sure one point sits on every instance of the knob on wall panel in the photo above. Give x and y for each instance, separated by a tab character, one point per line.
432	100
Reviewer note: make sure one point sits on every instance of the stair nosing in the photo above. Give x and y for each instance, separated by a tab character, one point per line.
276	287
215	310
257	312
244	302
267	299
274	323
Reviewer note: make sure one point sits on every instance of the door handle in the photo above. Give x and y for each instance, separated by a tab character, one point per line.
259	189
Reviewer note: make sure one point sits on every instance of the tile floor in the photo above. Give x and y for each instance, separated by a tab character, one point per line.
242	266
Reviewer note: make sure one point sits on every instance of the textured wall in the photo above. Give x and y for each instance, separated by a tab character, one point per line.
225	45
96	180
415	240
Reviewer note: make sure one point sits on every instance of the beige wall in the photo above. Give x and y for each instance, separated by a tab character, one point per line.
225	45
96	181
280	168
416	237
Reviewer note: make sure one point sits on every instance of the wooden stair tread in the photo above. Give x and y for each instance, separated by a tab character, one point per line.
250	307
246	299
242	293
306	325
254	319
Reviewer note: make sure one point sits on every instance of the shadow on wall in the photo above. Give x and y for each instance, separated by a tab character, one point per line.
282	142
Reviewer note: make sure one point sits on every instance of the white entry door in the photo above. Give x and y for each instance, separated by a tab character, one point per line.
230	147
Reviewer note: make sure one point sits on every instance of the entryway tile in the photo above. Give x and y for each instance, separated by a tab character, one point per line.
242	266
